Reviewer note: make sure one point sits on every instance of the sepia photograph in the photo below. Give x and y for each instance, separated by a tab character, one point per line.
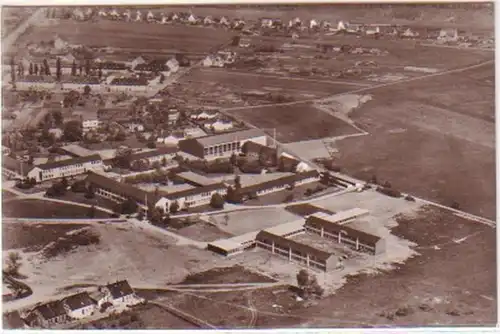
248	166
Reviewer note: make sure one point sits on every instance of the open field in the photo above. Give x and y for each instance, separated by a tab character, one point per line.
141	317
314	123
116	34
248	81
32	208
33	237
234	274
7	195
202	231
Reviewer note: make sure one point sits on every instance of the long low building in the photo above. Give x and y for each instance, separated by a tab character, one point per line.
296	252
353	238
280	184
191	197
119	192
156	155
52	170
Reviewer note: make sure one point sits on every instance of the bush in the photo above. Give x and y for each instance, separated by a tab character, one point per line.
288	198
79	187
389	192
217	202
409	198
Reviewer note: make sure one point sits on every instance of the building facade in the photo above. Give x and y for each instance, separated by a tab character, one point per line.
79	306
191	197
66	168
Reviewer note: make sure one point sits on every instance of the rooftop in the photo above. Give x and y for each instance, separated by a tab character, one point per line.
51	309
195	191
77	150
154	153
78	301
229	137
129	82
197	178
16	165
69	162
286	228
120	289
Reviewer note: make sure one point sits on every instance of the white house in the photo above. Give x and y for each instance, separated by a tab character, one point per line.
244	43
120	294
409	33
127	15
129	85
138	16
175	17
313	24
65	168
204	115
90	122
164	19
102	13
137	61
36	82
213	61
114	14
191	197
173	64
448	35
171	140
79	306
192	19
208	20
372	32
224	21
150	17
341	26
157	155
266	23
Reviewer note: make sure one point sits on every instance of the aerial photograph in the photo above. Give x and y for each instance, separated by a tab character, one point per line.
248	166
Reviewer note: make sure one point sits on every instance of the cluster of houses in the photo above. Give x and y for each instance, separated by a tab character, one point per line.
279	240
111	297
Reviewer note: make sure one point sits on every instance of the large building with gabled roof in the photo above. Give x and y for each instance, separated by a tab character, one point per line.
222	145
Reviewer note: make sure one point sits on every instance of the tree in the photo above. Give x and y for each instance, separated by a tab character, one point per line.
387	184
87	67
13	263
374	179
64	182
233	195
155	215
162	78
58	69
235	41
233	159
151	144
217	202
302	278
129	206
237	182
73	131
31	69
164	162
174	207
91	212
80	69
12	70
46	67
36	69
308	284
73	68
99	74
79	187
455	205
58	118
86	90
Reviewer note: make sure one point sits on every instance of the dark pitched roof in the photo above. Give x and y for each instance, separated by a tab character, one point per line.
120	188
195	191
317	222
51	309
16	165
154	153
109	65
129	82
151	67
78	301
267	237
120	289
69	162
13	320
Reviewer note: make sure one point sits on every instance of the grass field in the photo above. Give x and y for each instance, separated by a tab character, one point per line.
248	81
33	237
234	274
45	209
295	123
116	34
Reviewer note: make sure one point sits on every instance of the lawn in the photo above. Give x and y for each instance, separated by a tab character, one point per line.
170	38
32	208
202	231
295	123
234	274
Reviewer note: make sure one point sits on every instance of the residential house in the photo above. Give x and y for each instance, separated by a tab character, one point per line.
408	33
90	121
114	15
224	21
191	197
121	294
66	168
110	67
287	163
174	17
164	19
238	24
79	306
48	314
313	24
192	19
256	151
157	65
5	150
448	35
208	20
150	17
172	139
173	65
138	16
211	147
213	61
204	115
79	83
266	22
137	61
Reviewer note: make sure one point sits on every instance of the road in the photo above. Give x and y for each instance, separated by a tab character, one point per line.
9	40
